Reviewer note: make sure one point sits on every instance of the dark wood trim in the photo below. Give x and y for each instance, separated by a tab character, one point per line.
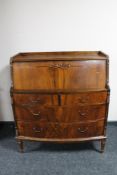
51	91
7	123
14	114
77	59
102	53
11	58
59	56
107	109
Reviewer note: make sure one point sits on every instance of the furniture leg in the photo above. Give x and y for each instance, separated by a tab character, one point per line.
103	141
21	145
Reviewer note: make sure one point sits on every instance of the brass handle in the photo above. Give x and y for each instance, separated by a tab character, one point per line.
83	100
83	114
37	130
35	114
82	131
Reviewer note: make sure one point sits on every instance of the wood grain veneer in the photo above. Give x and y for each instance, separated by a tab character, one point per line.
60	96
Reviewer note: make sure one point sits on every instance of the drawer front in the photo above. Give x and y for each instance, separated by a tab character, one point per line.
84	98
31	100
35	113
30	107
61	114
42	129
57	130
32	129
82	113
60	75
85	130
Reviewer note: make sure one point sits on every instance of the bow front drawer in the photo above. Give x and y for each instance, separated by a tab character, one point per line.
84	98
35	113
60	130
82	113
85	130
42	129
31	100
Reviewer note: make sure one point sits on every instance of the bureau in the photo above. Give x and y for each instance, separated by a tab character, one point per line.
60	96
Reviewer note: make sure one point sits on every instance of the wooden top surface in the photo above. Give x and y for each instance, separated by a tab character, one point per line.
58	56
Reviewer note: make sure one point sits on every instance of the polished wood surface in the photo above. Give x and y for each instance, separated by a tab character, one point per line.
35	99
60	114
59	75
50	56
85	98
60	130
60	96
66	108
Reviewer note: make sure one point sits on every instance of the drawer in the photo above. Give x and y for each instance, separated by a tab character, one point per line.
63	130
31	100
35	113
60	114
82	113
42	129
91	129
84	98
32	129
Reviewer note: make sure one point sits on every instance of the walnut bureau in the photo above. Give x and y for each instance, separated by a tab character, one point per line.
60	96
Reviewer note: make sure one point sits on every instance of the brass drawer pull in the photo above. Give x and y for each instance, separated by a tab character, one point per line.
83	100
83	114
82	131
37	130
35	114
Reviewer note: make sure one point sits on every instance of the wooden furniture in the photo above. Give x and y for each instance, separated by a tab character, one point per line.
60	96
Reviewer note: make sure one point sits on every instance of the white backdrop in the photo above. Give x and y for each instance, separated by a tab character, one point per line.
56	25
